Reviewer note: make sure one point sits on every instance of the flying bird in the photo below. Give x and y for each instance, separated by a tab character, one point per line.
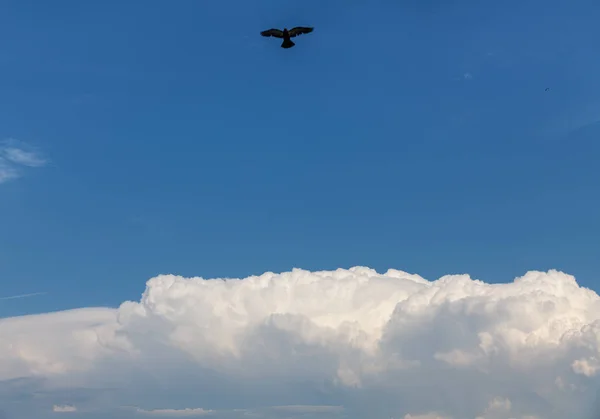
286	35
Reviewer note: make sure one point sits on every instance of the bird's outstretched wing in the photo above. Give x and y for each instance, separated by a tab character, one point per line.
272	32
299	30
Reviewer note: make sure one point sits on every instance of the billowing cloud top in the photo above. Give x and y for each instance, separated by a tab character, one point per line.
350	343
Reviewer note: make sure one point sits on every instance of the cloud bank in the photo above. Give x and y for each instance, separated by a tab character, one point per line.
345	343
14	155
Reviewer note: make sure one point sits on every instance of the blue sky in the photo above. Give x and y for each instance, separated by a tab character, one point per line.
400	134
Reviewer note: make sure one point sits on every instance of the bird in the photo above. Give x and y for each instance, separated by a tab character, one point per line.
286	35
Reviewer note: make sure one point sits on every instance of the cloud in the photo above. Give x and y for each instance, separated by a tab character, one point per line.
14	155
426	416
64	409
7	172
176	412
309	409
352	343
25	158
16	297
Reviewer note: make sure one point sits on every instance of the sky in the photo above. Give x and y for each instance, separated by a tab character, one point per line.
142	139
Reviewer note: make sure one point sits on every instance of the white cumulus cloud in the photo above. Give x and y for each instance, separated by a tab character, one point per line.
351	343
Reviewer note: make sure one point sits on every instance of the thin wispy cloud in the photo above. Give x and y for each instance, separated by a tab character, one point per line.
176	412
309	408
14	155
463	76
64	409
16	297
7	172
25	158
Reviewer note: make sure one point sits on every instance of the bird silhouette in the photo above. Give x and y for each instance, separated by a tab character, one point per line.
286	35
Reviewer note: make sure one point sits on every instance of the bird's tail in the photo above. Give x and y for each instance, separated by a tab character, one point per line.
287	43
